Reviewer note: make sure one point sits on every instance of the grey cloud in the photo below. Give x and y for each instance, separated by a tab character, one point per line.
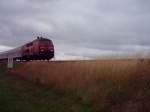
100	25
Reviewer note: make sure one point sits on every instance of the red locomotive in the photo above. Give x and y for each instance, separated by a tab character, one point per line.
40	48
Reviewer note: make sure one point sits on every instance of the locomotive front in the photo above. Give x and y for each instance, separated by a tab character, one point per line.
46	48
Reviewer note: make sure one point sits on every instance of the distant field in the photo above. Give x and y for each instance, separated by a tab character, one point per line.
99	85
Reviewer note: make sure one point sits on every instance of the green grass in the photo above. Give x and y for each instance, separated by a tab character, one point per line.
18	95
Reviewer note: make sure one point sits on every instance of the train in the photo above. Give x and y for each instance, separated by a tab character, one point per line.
38	49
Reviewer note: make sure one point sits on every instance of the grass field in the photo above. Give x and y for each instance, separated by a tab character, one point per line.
19	95
78	86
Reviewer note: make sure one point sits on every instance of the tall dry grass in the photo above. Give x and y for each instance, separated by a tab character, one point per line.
108	84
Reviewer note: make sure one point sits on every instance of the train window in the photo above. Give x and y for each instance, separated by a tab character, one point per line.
29	44
46	41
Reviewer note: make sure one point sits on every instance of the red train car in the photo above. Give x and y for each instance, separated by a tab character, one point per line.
40	48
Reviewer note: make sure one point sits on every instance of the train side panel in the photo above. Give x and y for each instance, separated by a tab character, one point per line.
15	53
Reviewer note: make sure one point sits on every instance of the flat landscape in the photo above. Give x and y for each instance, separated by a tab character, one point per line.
121	85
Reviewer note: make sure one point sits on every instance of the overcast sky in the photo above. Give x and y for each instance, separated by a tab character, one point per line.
78	28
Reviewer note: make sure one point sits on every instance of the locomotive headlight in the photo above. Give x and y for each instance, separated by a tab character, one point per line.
41	50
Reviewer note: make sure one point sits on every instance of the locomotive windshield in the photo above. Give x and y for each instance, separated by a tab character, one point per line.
46	42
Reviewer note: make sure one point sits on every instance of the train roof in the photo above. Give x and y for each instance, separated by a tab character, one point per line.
41	38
